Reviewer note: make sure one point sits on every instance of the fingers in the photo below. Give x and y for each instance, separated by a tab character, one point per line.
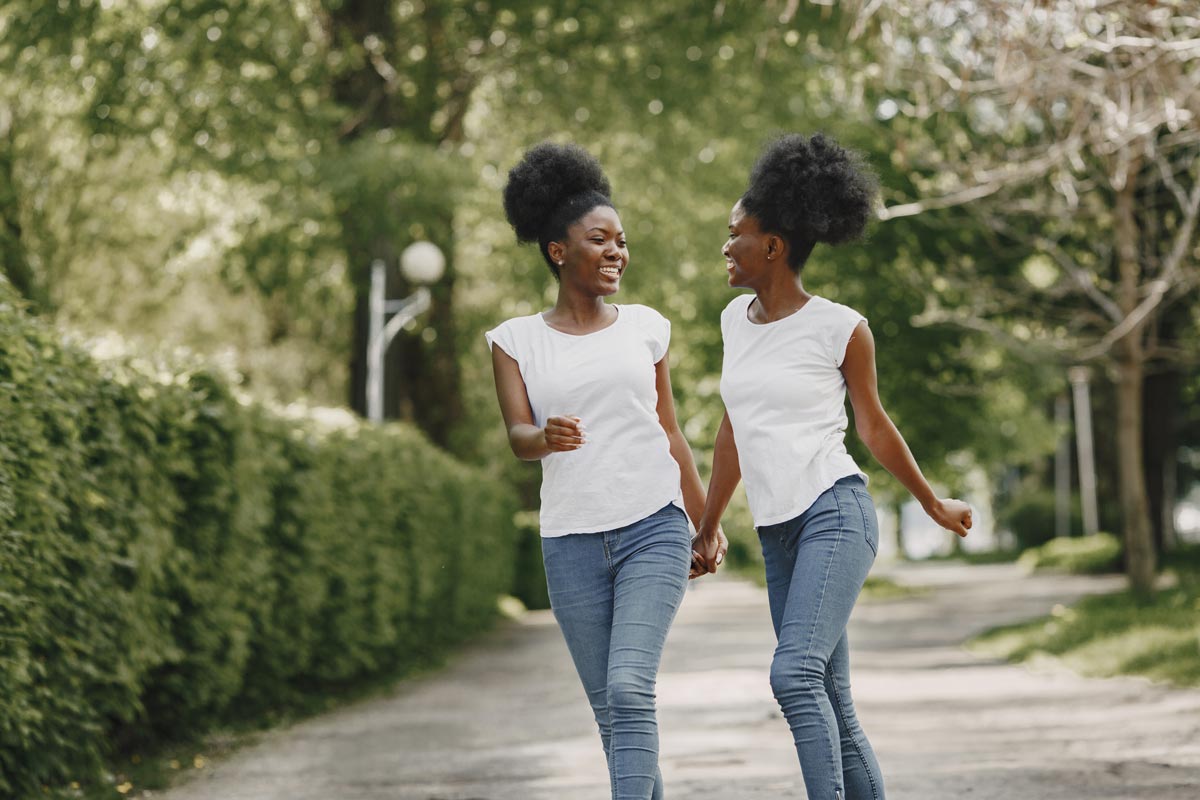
715	553
565	433
965	524
698	567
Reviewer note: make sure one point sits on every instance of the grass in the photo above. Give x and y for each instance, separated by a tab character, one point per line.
880	590
875	590
1081	555
1117	634
982	557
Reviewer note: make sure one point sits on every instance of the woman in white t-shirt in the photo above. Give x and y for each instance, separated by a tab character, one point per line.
790	358
585	388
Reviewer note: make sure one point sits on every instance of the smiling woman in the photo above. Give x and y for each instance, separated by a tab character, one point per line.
585	389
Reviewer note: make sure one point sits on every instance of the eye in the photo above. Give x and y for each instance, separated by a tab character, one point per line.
621	243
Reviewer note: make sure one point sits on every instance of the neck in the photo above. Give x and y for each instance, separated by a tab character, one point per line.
579	307
782	295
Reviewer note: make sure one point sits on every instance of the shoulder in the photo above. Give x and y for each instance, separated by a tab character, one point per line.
737	305
640	312
653	326
646	317
514	332
520	324
835	312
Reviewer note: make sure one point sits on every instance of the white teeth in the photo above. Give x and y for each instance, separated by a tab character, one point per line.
613	271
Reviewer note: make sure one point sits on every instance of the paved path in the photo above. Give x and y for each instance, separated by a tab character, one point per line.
507	719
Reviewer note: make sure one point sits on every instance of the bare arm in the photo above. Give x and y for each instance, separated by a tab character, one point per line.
527	440
726	474
883	439
681	451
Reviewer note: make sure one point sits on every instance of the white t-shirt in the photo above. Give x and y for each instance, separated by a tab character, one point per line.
625	472
783	388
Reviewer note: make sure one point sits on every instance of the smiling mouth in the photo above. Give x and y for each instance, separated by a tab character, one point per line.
611	272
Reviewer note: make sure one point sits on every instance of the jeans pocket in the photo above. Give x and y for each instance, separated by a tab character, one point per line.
870	523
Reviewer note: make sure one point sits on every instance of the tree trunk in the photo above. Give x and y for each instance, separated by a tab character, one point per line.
1130	358
14	261
422	378
1162	398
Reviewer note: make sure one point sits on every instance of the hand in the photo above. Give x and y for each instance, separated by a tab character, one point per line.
953	515
698	567
564	434
710	545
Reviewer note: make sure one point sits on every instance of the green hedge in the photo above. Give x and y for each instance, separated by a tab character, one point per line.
1031	518
172	557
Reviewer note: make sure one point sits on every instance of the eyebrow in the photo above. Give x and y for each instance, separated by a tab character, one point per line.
602	230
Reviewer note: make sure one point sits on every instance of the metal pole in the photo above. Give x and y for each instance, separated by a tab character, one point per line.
1062	467
1079	377
376	302
382	330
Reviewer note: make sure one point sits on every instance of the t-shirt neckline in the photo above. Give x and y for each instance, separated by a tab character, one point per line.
609	326
746	312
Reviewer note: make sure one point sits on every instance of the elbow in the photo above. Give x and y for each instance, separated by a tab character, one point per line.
870	435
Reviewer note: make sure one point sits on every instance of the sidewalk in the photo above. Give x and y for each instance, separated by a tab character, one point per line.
507	719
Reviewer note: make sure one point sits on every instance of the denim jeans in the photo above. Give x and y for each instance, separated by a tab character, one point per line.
816	565
615	595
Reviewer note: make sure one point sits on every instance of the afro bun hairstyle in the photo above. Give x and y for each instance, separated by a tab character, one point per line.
553	186
810	190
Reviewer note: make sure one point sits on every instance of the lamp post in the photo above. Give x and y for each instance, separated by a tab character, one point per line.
1079	377
422	263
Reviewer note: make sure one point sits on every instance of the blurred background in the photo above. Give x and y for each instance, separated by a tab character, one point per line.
219	176
213	180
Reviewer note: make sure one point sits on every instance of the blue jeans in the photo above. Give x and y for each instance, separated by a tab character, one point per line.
614	595
816	565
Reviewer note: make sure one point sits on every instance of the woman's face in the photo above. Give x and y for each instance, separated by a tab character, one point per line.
746	249
594	256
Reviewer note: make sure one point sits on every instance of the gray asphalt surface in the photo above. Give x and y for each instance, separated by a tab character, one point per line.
507	719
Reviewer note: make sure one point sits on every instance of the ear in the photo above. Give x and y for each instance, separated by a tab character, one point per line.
557	251
776	247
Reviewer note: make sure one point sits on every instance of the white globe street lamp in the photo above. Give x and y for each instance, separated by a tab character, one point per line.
421	263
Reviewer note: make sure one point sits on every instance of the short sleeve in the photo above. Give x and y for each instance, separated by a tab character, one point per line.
731	311
504	337
845	320
658	331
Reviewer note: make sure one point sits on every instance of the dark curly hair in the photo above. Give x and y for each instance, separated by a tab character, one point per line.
810	190
553	186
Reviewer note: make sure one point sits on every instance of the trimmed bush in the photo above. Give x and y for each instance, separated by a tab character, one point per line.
529	583
1030	517
173	557
1084	555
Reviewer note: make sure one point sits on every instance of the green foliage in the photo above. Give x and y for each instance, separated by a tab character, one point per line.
879	589
1117	634
1031	517
529	583
173	556
1084	555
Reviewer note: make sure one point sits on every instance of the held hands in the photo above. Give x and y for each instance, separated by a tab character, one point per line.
708	550
953	515
564	434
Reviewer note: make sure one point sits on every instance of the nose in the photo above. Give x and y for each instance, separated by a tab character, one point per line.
725	249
